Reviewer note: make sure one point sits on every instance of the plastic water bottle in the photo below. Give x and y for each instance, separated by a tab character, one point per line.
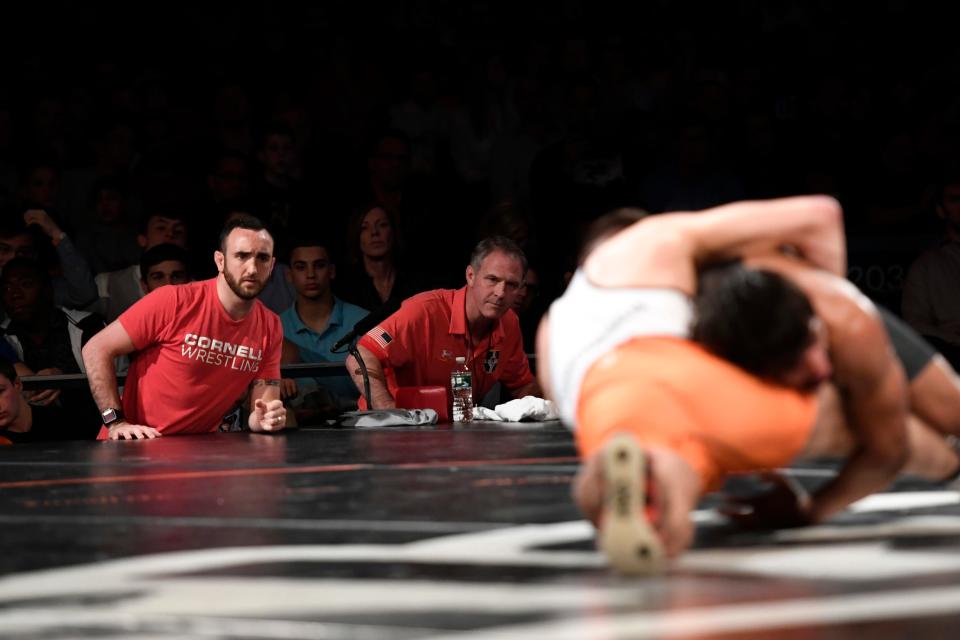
461	383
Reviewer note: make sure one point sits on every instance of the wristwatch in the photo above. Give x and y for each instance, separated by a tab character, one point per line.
112	415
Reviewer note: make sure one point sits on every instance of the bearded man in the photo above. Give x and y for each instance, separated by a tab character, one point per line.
197	349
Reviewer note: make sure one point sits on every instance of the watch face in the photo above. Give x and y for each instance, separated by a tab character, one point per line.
109	415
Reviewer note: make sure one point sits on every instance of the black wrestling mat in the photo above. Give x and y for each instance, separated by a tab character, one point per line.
427	533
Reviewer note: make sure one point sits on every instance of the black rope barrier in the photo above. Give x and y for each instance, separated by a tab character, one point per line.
299	370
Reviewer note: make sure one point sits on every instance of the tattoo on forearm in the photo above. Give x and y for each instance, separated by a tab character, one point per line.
371	374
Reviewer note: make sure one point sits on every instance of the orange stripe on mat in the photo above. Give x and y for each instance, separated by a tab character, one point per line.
272	471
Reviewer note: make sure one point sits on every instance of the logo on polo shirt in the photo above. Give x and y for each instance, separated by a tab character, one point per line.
446	355
490	363
381	337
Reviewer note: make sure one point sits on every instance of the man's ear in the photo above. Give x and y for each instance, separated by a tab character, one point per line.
218	259
142	240
470	274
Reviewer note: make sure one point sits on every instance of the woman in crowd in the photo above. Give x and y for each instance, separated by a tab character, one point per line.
375	275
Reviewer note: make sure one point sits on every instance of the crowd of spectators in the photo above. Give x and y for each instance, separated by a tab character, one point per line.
398	135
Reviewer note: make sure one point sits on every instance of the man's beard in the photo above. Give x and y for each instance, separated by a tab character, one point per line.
236	288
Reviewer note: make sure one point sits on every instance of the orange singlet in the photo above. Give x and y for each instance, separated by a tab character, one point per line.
673	393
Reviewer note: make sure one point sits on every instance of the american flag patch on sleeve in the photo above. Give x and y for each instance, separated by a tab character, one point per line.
381	337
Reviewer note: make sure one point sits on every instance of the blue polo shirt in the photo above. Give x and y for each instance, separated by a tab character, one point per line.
315	347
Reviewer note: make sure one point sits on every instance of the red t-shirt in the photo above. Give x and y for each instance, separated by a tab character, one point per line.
419	344
193	362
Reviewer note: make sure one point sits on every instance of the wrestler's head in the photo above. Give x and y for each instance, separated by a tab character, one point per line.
763	323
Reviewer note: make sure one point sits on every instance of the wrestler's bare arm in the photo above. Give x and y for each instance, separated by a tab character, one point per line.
871	381
874	393
812	226
665	250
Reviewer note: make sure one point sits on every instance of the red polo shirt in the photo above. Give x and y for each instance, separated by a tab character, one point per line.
419	344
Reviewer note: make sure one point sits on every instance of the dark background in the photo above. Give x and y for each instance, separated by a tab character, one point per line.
661	105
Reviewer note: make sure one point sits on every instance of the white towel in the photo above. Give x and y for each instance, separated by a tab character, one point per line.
526	408
482	413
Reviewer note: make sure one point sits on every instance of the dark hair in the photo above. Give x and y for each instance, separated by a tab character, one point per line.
227	208
373	142
161	253
242	222
167	195
106	124
34	162
276	129
227	154
152	213
497	243
949	177
754	318
12	224
508	219
301	240
8	371
606	226
107	183
28	265
355	223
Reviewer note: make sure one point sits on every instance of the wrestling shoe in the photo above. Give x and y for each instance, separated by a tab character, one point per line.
627	535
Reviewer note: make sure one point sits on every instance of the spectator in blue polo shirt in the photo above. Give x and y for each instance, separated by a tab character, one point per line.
311	326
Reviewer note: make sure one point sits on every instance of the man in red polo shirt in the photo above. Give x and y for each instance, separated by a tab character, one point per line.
419	344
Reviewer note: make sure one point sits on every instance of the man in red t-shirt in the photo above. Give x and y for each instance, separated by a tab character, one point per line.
199	348
419	344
